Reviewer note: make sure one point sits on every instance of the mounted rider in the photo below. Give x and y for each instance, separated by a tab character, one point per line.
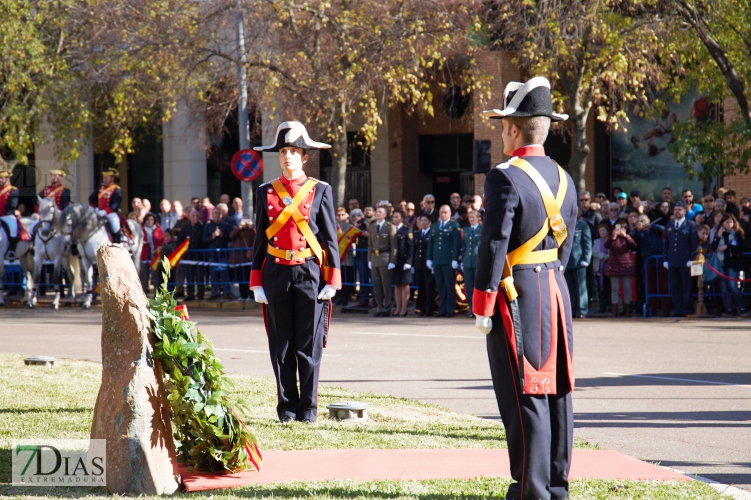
9	196
55	191
107	202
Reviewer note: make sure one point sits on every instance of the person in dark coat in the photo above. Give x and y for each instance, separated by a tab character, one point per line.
55	190
194	273
401	276
361	257
216	236
107	202
296	271
443	259
620	267
648	238
679	249
470	243
423	274
728	243
524	247
9	196
242	236
576	269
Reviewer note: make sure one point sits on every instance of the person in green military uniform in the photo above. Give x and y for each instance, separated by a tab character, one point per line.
443	255
576	269
382	248
470	242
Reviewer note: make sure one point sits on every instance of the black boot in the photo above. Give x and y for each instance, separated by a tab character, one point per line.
12	243
116	238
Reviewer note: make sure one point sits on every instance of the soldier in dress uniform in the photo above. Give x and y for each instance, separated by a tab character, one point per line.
401	276
295	271
107	202
681	242
530	216
576	269
423	274
443	259
9	196
470	243
56	191
382	247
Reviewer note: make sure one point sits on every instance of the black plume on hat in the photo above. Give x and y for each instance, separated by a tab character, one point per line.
527	100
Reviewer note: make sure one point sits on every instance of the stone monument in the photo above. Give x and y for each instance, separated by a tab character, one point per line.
132	411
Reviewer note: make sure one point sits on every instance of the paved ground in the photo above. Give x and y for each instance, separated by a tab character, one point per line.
667	391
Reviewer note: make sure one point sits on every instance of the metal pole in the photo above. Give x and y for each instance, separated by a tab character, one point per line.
242	107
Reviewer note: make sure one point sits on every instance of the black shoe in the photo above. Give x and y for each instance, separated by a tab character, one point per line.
377	315
286	419
471	316
727	314
308	421
449	315
189	299
441	315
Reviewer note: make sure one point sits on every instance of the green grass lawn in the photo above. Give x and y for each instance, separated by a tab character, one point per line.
58	402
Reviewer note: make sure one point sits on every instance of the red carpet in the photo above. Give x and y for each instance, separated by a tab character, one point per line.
368	465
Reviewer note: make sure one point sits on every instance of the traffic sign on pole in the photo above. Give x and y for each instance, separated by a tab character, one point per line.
247	165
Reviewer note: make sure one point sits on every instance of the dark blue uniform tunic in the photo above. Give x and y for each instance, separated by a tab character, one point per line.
530	347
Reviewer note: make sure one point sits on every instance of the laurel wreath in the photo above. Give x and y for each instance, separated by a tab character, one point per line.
208	434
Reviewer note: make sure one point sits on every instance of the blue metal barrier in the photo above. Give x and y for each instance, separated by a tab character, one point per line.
711	290
227	266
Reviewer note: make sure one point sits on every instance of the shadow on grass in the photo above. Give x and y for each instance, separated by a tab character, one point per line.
45	410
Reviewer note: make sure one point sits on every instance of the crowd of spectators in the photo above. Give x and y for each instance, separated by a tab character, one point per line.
624	245
632	240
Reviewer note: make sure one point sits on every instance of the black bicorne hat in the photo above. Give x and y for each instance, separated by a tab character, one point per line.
527	100
292	134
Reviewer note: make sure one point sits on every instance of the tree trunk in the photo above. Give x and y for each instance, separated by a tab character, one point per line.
718	53
339	154
577	165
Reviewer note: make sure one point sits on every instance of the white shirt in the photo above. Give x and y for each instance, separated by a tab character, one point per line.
679	223
399	226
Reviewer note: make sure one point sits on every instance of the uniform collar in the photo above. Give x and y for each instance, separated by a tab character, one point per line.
399	226
297	182
531	150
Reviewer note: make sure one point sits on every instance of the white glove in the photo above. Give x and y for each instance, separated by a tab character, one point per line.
454	264
370	265
666	265
688	264
429	263
462	266
484	324
391	266
407	267
328	292
583	264
260	295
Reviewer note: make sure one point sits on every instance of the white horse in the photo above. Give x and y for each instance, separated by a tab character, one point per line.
24	257
86	230
51	245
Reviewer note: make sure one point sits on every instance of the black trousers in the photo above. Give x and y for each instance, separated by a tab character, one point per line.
681	289
295	320
539	429
425	290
